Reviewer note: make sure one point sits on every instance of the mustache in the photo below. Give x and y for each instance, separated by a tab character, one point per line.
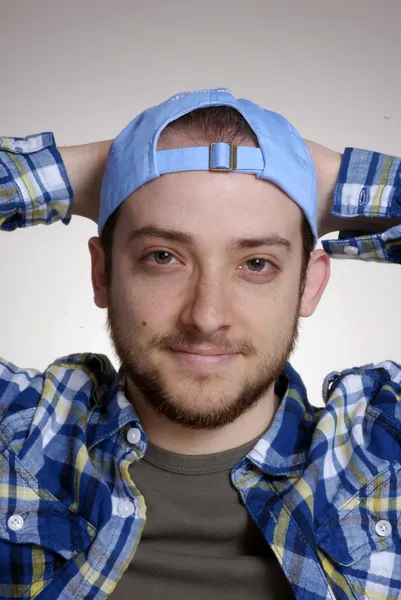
184	341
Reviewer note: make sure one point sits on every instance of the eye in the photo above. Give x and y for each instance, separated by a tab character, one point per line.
259	265
161	257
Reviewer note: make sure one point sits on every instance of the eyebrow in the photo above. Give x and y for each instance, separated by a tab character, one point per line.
186	238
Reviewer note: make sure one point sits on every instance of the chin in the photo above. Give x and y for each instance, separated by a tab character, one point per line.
211	392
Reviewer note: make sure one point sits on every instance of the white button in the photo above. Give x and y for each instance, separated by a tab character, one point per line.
133	435
126	508
15	523
351	250
383	528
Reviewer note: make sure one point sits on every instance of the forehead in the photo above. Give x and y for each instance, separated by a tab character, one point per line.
212	207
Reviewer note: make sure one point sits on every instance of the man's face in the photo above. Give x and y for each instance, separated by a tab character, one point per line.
204	303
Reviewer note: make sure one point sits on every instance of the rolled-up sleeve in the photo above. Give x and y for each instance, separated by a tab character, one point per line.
34	185
369	185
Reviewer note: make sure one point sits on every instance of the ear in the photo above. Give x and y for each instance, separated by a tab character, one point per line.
317	277
98	272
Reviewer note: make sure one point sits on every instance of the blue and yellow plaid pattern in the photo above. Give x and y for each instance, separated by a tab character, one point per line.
369	185
318	483
34	185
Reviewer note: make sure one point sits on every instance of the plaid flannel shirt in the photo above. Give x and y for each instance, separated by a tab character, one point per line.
323	484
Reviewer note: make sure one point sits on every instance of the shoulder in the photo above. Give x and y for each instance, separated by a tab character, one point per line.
362	417
371	386
29	397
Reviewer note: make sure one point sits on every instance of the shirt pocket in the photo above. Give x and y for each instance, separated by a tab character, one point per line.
39	535
362	541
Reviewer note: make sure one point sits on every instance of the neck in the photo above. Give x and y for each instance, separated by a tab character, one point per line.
175	437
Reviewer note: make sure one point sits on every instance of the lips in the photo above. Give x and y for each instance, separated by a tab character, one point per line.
203	358
204	351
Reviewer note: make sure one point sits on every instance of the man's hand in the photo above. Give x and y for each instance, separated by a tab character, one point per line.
85	167
327	165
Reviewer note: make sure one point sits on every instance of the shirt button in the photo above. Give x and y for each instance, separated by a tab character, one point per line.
126	508
383	528
133	435
15	523
351	250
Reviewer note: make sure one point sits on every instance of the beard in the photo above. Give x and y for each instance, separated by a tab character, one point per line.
196	406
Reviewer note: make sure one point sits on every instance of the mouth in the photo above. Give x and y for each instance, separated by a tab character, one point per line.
199	357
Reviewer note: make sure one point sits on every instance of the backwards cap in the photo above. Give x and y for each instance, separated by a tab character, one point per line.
282	157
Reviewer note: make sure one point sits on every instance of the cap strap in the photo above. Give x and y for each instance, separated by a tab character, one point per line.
216	157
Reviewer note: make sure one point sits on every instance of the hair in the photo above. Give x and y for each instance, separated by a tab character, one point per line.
204	126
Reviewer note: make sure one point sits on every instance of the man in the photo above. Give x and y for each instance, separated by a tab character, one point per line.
200	470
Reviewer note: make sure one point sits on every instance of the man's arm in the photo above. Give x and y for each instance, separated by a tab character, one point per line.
359	191
85	167
41	184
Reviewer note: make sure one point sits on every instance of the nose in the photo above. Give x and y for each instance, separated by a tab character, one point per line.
208	306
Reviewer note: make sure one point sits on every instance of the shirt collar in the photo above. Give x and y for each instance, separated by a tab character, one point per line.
284	447
111	410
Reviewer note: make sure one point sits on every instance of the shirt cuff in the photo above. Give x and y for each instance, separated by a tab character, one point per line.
369	184
32	167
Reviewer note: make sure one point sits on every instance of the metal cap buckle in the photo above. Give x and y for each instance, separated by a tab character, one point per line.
233	158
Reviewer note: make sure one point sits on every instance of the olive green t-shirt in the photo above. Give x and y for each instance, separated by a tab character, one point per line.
199	541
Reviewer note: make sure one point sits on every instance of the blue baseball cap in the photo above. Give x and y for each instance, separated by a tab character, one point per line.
282	157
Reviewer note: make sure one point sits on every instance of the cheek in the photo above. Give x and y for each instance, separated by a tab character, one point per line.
148	308
270	313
